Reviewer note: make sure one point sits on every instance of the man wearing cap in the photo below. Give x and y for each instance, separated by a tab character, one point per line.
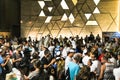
69	58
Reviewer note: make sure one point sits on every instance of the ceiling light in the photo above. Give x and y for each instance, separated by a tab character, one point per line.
96	10
71	18
74	2
50	8
48	19
87	15
64	17
96	1
91	23
42	13
64	5
42	4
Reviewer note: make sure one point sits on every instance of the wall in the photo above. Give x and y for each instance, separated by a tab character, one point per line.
9	15
34	25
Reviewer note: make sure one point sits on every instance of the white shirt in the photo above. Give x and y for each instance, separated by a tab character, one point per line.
114	61
73	44
116	73
96	65
51	49
65	51
41	54
67	61
84	51
85	59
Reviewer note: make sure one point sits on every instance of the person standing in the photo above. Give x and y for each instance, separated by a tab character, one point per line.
106	72
74	67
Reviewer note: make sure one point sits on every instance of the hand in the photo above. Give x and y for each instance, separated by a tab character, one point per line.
19	59
53	60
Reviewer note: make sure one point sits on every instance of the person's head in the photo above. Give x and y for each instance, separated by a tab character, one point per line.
89	62
37	64
35	55
77	58
93	56
104	59
46	53
19	48
71	52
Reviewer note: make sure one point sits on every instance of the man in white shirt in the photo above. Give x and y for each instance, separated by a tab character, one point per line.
69	58
96	65
116	73
85	59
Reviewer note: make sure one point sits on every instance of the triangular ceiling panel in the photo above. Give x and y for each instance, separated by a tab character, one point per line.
78	21
86	8
61	24
79	6
91	5
113	27
67	24
82	15
35	8
50	26
65	32
53	23
56	13
96	1
49	3
67	12
74	12
60	10
64	4
46	32
55	27
84	32
56	3
104	23
75	31
92	17
74	2
42	29
70	4
55	33
96	11
88	15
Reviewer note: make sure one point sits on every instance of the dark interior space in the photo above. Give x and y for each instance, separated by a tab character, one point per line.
10	16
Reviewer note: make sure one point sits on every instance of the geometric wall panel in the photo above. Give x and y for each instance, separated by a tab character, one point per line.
105	23
81	12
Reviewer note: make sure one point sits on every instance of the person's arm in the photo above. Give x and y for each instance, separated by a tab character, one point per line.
6	61
102	72
26	78
46	66
16	60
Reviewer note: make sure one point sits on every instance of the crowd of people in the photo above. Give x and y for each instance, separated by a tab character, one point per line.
73	58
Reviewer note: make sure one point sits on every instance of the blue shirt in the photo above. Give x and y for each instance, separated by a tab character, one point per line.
73	69
1	61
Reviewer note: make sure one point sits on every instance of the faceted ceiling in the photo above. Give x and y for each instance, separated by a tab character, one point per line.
68	17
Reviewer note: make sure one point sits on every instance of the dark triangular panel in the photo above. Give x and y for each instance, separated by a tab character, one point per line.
70	4
56	3
86	9
91	5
